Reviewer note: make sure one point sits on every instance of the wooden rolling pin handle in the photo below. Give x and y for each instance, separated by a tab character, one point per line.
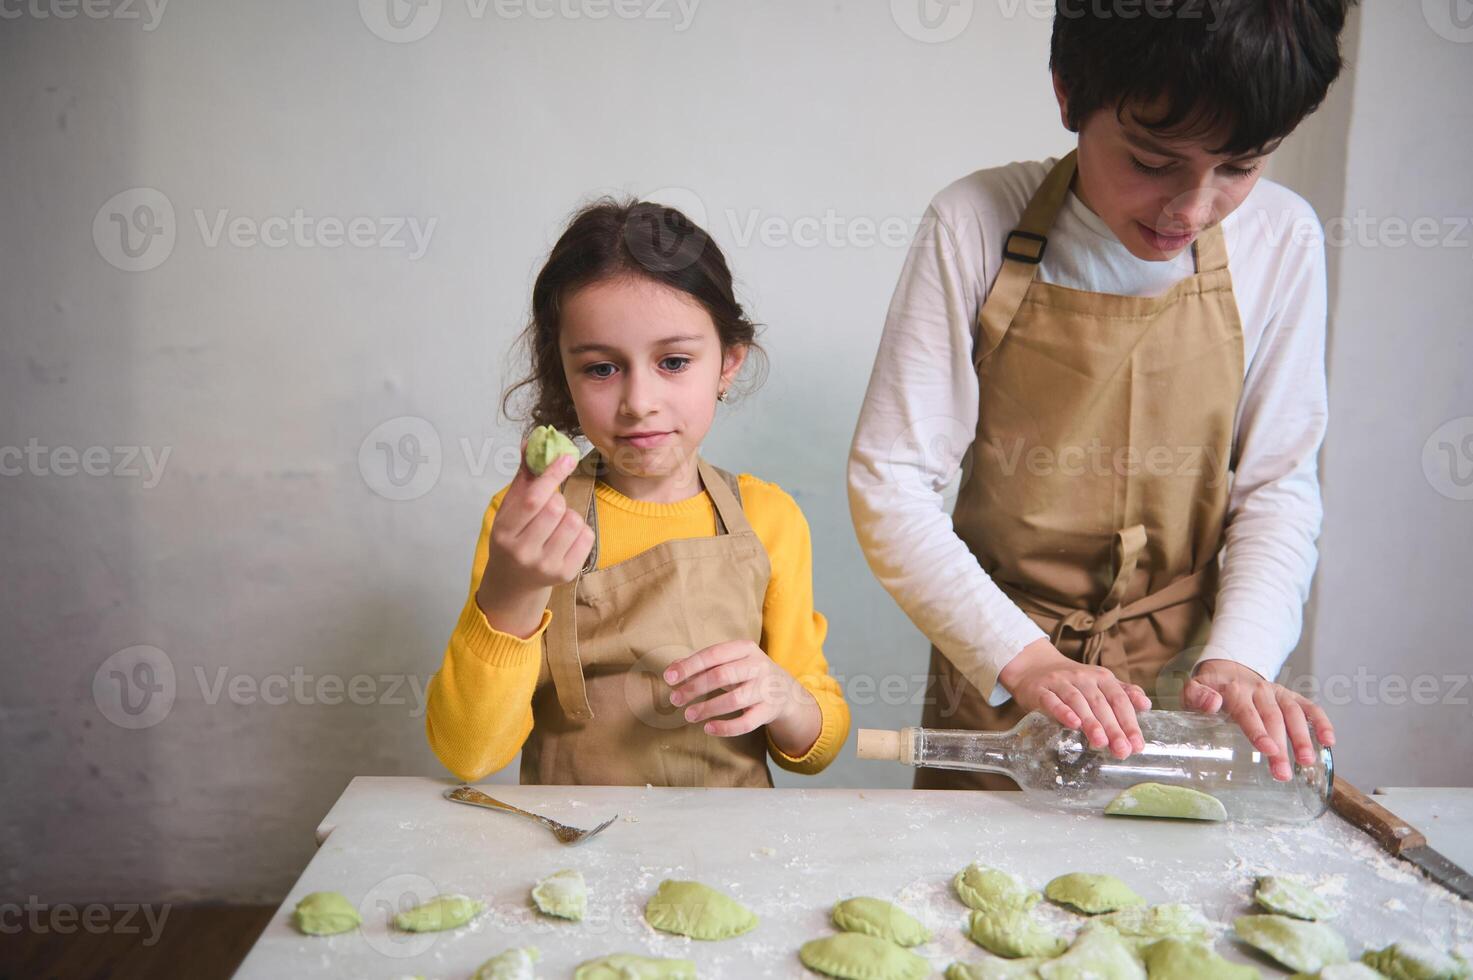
1393	833
876	743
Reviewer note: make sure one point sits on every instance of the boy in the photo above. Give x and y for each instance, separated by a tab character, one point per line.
1122	408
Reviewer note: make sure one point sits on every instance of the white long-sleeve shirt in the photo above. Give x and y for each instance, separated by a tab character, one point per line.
920	414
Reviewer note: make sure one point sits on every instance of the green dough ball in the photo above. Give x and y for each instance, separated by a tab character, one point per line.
689	908
514	964
563	894
1306	947
440	913
1091	893
1096	954
855	956
544	446
627	966
994	968
1178	959
325	914
881	919
1288	897
1414	961
981	887
1013	933
1159	800
1140	927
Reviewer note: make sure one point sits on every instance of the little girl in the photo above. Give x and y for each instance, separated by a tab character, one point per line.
637	616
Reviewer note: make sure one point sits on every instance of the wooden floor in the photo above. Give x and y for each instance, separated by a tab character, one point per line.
194	942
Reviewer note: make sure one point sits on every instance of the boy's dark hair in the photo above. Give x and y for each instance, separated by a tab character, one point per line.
613	239
1252	69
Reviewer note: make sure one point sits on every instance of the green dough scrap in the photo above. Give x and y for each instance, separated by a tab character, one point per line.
544	446
1305	947
563	894
1160	800
1013	933
988	889
689	908
1140	927
1341	971
514	964
1180	959
325	914
440	913
1092	893
996	968
1288	897
880	919
1096	954
628	966
855	956
1414	961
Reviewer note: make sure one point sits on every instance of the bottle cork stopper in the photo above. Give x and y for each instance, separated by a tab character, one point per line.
876	743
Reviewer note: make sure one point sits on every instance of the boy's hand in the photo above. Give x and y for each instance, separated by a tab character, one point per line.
1266	712
1076	695
752	684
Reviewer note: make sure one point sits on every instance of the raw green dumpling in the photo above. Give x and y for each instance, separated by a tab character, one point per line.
1092	893
981	887
880	919
1414	961
628	966
440	913
514	964
1288	897
1097	954
1140	927
855	956
1178	959
996	968
689	908
1160	800
563	894
1341	971
1013	933
544	446
1305	947
325	914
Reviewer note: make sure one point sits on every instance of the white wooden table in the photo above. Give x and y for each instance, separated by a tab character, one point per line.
789	854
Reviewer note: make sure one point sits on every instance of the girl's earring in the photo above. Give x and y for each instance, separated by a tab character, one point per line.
721	395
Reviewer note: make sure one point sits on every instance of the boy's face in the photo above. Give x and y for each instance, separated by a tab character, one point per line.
644	364
1156	194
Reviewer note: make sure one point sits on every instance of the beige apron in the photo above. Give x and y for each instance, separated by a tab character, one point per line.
601	712
1096	489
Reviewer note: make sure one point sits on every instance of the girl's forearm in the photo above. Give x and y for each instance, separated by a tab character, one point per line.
512	610
794	732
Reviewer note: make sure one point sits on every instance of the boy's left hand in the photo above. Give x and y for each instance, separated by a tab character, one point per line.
1272	716
753	684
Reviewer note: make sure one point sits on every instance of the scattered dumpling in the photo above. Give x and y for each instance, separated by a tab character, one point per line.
1306	947
1097	953
1013	933
1180	959
563	894
996	968
1414	961
440	913
981	887
856	956
1140	926
1288	897
628	966
881	919
1161	800
1092	893
514	964
689	908
325	914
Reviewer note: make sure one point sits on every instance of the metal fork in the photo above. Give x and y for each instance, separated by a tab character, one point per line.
565	834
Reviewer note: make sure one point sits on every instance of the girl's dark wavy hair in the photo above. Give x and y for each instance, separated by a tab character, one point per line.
1250	69
611	239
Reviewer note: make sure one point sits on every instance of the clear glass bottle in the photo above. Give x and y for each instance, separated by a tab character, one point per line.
1056	765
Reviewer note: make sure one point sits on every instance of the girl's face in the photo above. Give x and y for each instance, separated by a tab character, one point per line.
1156	195
644	366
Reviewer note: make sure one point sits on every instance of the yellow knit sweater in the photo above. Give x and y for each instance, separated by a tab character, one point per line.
480	701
